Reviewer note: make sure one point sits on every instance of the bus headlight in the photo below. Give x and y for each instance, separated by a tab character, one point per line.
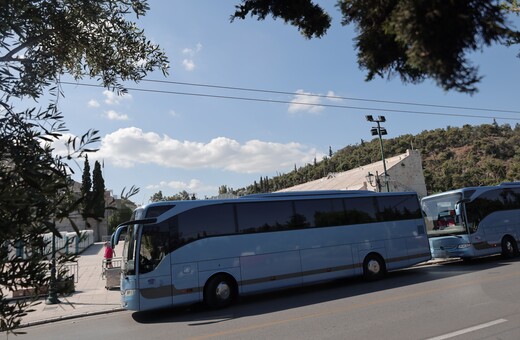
129	292
464	245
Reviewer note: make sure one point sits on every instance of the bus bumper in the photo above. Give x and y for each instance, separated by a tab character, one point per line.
449	248
129	294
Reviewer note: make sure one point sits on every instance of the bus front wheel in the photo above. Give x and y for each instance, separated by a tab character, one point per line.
374	267
220	291
509	247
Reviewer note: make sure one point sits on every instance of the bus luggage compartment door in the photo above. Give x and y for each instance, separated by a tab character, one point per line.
265	272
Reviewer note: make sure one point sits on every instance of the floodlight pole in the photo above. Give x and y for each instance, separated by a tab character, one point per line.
377	131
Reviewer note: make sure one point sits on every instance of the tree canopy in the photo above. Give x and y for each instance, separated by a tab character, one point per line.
40	41
181	196
412	39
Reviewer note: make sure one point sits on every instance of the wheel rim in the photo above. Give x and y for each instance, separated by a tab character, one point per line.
509	247
373	266
223	291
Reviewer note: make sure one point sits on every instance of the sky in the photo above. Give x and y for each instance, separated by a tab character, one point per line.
182	134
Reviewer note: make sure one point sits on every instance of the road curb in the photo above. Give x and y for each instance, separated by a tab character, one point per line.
70	317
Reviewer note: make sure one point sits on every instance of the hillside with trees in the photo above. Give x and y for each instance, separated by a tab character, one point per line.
453	157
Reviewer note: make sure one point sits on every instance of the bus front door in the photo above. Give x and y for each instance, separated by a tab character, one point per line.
155	286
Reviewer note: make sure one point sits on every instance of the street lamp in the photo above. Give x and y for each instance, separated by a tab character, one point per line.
380	131
52	299
374	180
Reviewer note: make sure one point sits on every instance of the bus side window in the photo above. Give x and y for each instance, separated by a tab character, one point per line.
259	217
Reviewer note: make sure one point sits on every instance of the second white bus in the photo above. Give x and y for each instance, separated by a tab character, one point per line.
474	222
184	252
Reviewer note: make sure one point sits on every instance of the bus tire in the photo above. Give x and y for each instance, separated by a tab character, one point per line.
509	247
220	291
374	267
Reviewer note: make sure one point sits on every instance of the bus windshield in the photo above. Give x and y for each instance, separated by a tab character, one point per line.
128	265
443	215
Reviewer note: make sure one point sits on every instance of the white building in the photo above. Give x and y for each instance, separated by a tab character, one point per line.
405	173
100	228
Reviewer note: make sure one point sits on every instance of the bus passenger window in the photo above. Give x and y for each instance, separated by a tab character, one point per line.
260	217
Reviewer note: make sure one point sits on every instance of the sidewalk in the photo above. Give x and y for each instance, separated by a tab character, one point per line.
90	296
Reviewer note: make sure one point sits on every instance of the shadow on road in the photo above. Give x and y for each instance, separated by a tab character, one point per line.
277	301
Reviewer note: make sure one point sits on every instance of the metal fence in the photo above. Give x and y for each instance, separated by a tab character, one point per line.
70	269
112	272
68	244
114	263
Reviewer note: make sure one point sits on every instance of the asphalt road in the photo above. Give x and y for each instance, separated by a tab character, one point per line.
479	300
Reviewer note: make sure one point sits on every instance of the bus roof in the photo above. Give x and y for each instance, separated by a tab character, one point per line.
180	206
281	196
307	193
477	190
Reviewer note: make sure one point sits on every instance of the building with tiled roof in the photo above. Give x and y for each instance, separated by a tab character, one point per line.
405	173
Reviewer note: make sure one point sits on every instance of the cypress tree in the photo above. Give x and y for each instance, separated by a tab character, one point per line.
86	186
98	192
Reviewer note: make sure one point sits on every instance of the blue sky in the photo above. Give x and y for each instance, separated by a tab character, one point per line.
174	142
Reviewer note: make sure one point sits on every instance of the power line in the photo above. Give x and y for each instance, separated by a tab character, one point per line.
327	96
304	103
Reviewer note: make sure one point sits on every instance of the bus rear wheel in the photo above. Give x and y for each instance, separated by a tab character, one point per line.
374	267
509	247
220	291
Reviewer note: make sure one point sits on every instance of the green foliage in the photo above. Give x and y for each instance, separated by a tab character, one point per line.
35	190
40	41
44	39
310	19
98	192
181	196
121	215
86	187
93	192
414	40
157	197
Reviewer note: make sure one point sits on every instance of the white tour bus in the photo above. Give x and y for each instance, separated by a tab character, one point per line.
182	252
474	222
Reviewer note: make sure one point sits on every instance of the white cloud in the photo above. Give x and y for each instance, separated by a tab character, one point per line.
173	113
305	102
190	53
113	115
130	146
60	145
112	98
331	96
189	65
310	102
93	103
193	186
